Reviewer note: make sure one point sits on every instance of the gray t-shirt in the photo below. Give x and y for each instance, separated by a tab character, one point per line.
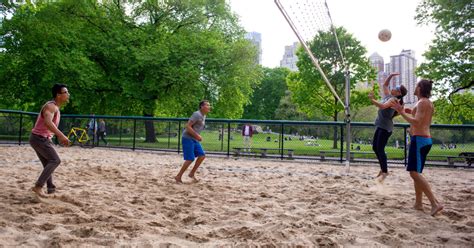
199	123
384	116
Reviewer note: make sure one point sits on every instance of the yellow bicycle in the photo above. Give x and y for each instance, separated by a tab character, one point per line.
78	135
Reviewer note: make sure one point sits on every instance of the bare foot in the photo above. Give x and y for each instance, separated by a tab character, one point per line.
418	207
39	192
380	173
436	209
382	177
195	180
178	179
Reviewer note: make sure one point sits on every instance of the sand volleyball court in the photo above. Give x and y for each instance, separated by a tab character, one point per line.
119	197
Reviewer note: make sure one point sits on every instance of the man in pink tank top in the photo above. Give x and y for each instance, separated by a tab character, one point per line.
45	127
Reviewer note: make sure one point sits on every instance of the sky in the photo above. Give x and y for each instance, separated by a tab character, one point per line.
363	18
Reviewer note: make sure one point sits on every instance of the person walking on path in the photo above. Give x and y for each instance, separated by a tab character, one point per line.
92	130
40	139
384	121
420	143
102	132
191	141
247	132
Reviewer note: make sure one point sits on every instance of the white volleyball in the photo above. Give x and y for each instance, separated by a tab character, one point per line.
385	35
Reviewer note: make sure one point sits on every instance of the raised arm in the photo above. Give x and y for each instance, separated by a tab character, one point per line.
385	85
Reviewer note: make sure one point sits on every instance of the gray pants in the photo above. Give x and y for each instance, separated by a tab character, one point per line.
49	158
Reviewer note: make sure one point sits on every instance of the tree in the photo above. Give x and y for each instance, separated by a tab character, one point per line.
458	111
128	57
310	92
64	42
449	59
287	110
267	95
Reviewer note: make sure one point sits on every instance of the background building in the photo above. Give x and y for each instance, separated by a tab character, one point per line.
405	64
256	39
378	63
289	57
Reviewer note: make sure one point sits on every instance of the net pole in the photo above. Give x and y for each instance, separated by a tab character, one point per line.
308	51
348	119
315	61
348	95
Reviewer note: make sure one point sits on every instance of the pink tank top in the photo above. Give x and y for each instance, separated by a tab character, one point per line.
40	127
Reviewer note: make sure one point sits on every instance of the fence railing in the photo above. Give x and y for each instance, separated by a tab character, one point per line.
305	140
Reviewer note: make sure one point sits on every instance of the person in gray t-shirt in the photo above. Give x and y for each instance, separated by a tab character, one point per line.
384	121
191	141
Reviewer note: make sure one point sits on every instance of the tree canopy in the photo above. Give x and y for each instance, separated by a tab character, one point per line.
267	95
310	92
449	59
127	57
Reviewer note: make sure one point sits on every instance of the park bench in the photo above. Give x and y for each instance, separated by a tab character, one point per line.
323	154
468	157
239	150
263	151
364	153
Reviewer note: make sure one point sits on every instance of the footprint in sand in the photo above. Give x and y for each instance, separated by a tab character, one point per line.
154	223
84	232
453	215
189	220
47	227
442	239
60	198
326	242
463	228
191	237
389	240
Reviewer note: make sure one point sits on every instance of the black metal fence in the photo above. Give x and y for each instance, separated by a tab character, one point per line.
307	140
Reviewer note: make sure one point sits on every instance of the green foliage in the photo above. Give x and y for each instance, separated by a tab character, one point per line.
310	92
361	111
459	111
267	95
287	110
449	59
134	58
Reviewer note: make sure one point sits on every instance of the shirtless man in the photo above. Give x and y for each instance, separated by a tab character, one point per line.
420	121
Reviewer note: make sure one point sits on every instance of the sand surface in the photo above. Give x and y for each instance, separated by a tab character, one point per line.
120	197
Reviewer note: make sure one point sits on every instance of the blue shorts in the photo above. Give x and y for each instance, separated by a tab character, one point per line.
191	149
419	149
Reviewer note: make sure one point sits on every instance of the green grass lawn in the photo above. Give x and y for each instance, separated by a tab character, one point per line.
211	143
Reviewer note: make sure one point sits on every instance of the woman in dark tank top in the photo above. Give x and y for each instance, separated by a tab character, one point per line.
384	121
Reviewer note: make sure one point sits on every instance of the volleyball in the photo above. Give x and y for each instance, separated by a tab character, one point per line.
385	35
